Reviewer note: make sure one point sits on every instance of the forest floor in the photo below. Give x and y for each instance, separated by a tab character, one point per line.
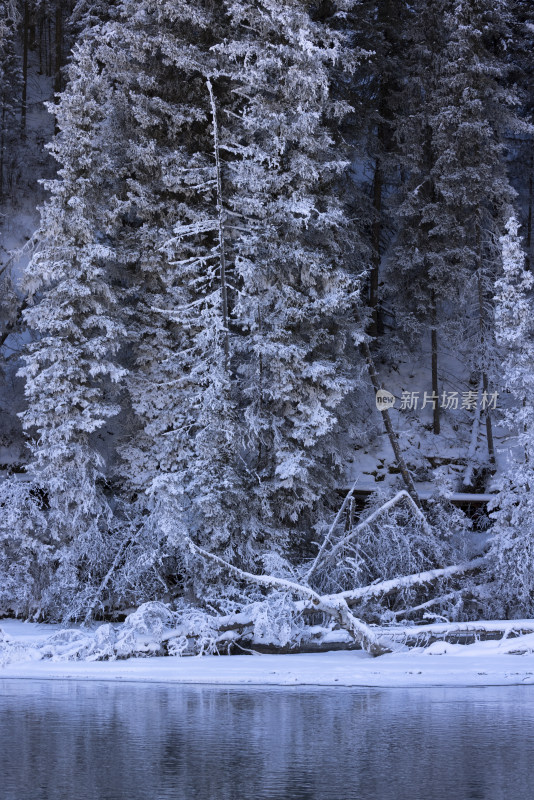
508	661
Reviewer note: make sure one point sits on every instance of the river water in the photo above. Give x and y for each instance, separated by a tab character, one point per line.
113	741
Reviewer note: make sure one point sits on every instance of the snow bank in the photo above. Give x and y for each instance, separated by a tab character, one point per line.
492	663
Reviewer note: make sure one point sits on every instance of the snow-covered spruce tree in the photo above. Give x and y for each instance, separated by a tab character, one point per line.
70	366
180	450
242	291
26	558
217	198
296	261
511	557
522	145
474	109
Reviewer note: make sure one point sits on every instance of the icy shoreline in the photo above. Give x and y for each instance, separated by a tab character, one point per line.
490	663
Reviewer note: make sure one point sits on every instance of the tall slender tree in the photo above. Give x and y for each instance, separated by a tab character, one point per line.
71	367
511	558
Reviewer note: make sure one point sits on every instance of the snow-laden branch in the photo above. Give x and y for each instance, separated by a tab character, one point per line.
444	598
334	605
406	581
105	580
422	635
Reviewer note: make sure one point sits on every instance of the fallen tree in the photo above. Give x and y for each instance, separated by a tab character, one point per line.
334	606
373	639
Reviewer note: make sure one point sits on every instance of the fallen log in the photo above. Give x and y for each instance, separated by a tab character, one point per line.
334	606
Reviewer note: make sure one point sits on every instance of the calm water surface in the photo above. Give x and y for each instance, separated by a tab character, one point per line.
104	741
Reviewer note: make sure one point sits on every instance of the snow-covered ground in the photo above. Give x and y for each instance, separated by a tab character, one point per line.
493	663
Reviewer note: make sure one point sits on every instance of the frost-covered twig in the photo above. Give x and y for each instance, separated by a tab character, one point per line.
16	255
330	532
372	517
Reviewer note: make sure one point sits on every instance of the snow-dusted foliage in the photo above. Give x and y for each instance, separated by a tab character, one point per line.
512	550
198	280
474	111
70	368
240	184
395	541
296	260
26	556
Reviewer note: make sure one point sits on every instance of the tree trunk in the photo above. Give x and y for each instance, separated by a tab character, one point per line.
435	386
394	441
530	200
2	146
471	453
25	45
220	221
58	46
375	242
489	429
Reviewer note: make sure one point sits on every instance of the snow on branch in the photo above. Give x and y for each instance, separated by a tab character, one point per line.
335	605
417	579
402	495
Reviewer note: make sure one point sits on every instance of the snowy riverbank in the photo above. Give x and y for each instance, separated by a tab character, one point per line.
491	663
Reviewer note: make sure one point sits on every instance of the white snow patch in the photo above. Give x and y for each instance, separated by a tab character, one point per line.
506	661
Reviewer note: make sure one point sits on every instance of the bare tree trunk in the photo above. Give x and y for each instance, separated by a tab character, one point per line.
58	48
2	146
435	385
42	51
471	453
375	237
49	49
489	429
530	201
25	45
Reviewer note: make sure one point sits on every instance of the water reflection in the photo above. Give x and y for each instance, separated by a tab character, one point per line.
101	741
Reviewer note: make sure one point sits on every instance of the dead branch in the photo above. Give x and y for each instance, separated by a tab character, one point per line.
11	326
330	532
403	495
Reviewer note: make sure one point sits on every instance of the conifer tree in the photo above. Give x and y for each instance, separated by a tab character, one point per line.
420	276
474	109
297	263
71	367
511	556
457	192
